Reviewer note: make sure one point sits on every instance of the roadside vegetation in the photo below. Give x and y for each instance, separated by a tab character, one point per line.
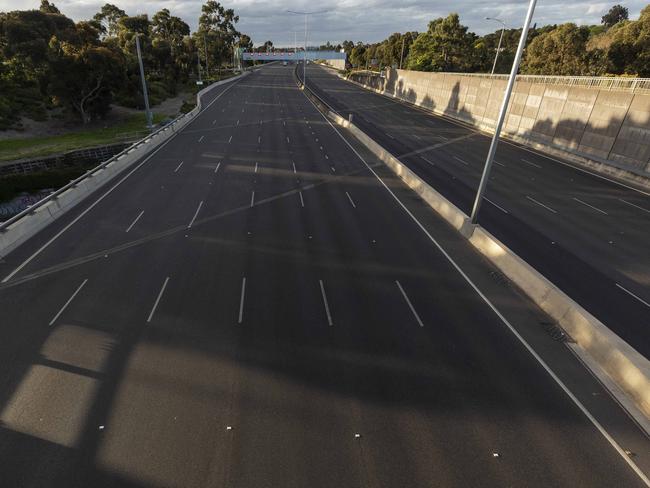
616	47
48	61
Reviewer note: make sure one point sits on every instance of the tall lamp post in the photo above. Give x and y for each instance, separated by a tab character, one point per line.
304	60
503	28
502	114
147	110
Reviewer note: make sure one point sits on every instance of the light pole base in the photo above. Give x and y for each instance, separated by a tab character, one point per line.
467	229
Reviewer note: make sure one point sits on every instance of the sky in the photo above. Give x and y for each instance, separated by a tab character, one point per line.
357	20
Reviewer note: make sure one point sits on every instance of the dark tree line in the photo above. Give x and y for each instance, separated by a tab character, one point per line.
47	60
617	46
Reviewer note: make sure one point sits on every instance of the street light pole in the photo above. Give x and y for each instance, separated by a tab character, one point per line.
304	58
205	46
502	114
147	111
496	56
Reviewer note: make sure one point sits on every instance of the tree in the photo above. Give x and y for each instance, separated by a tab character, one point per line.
616	14
245	42
446	46
216	34
48	8
358	55
563	51
629	51
109	17
86	77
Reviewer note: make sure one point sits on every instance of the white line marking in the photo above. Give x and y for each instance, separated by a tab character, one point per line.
417	317
497	206
351	201
241	300
217	168
214	121
326	156
294	166
417	137
288	142
68	302
90	207
252	199
541	204
321	148
635	206
389	135
496	311
133	223
259	139
302	202
333	169
531	163
237	121
201	138
229	139
461	160
430	162
635	296
255	167
498	163
590	206
160	294
327	307
195	214
178	167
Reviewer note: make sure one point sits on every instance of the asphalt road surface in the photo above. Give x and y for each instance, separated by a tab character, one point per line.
588	235
251	307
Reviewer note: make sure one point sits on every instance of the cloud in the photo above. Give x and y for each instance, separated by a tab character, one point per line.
358	20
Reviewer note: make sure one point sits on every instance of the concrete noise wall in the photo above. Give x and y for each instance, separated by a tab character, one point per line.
605	129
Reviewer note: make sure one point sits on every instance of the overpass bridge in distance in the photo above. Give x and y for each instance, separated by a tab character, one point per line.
333	58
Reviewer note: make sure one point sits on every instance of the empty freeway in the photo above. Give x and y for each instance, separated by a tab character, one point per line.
588	235
259	303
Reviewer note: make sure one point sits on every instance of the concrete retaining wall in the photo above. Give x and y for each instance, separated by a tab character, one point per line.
604	129
622	363
24	228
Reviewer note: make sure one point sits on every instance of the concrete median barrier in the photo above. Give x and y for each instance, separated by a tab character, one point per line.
616	358
16	231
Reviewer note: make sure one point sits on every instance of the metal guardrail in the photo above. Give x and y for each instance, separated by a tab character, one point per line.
53	196
600	82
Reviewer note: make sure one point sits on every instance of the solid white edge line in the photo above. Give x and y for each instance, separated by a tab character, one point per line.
91	206
635	206
241	301
590	206
178	167
325	303
134	222
160	294
408	302
503	319
541	204
68	302
351	201
635	296
198	209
